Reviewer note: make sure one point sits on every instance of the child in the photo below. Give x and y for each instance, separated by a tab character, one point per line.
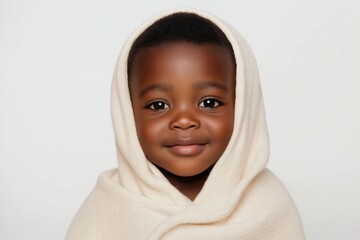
191	139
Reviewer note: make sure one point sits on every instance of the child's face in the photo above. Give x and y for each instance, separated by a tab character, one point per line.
183	98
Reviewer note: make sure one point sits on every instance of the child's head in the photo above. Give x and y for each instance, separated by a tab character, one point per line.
181	74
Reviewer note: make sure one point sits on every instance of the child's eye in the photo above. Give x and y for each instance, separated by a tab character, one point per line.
210	103
157	105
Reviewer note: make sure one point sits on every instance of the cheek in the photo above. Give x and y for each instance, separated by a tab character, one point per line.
220	128
149	131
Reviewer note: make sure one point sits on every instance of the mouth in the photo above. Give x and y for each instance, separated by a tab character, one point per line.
186	147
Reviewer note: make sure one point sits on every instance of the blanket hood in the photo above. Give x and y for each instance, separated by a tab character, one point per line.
247	152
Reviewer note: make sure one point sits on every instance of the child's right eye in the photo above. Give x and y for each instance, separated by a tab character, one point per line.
157	105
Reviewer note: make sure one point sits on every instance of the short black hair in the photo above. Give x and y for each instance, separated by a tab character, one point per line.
179	27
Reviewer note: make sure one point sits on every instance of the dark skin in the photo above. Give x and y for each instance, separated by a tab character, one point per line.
183	98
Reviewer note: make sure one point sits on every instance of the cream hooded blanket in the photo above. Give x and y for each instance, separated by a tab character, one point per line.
241	199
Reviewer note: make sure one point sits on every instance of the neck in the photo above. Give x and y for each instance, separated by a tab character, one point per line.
189	186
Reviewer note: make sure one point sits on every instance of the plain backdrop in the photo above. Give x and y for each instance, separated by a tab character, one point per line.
56	136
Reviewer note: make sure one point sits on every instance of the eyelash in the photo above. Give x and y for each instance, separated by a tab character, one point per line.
215	101
163	105
151	105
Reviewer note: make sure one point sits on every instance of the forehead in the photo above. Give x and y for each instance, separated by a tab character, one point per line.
183	60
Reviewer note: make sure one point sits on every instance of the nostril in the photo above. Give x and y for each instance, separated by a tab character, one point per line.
185	126
184	123
192	126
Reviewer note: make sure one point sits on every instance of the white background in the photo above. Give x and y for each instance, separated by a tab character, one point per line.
56	64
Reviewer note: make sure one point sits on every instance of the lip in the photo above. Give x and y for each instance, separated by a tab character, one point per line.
186	146
186	150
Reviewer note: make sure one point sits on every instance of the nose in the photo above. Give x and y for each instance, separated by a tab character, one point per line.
184	120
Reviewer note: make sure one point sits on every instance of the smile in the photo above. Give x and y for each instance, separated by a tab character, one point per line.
186	150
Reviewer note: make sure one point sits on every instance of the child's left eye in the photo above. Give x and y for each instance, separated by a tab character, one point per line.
210	103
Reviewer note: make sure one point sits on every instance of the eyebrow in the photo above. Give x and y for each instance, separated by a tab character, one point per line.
202	85
151	87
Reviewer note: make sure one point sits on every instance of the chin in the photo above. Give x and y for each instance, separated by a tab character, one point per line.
186	172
